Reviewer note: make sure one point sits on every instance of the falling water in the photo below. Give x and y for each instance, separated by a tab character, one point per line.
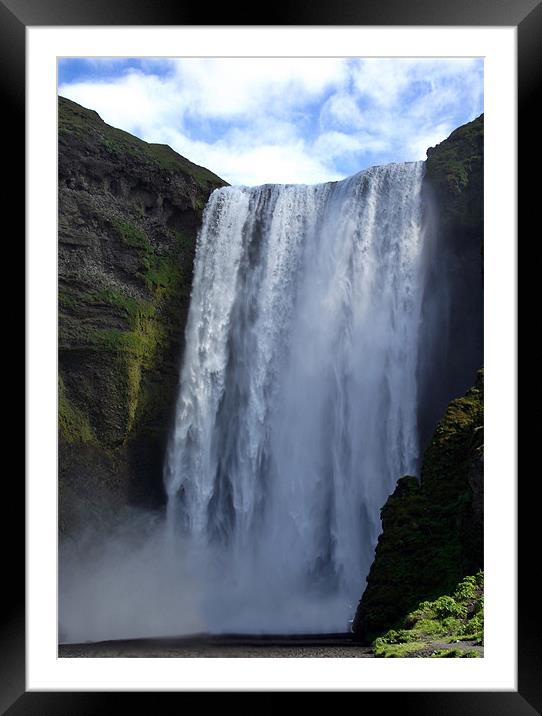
297	408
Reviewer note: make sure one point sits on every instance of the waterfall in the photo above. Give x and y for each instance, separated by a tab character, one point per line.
297	409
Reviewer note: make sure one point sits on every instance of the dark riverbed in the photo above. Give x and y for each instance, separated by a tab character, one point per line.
233	646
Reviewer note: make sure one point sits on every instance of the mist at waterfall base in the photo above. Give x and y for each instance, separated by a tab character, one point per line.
297	413
121	581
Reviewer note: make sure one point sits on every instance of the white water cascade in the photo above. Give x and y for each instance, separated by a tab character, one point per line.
297	409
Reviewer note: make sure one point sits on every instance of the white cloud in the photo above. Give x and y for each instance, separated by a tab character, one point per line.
249	163
337	144
341	110
380	81
232	87
289	120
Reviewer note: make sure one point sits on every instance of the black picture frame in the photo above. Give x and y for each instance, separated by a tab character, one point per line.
15	16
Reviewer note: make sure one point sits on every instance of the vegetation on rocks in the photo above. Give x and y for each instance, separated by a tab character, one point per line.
449	626
454	169
129	213
73	424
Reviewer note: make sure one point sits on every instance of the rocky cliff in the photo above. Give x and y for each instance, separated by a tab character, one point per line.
454	169
128	217
453	305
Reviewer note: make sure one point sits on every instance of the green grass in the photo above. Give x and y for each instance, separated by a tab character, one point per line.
131	235
449	618
132	307
455	654
73	425
67	299
162	273
385	650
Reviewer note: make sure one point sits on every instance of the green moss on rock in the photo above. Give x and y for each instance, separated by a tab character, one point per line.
454	171
452	619
131	235
73	425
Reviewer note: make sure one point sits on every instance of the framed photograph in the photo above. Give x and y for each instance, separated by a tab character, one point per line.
128	304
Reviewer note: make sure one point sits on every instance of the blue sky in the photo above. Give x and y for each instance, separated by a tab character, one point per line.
284	120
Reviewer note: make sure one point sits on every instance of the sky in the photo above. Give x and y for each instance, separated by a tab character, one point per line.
282	120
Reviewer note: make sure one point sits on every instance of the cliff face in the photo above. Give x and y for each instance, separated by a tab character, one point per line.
453	306
454	168
432	530
128	217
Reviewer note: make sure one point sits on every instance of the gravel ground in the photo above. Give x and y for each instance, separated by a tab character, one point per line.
213	647
264	652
